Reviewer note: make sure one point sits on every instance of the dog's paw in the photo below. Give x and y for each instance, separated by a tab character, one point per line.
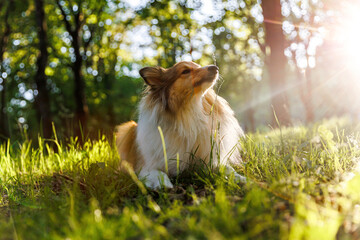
156	179
238	178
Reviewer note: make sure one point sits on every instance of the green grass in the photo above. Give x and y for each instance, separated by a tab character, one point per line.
304	183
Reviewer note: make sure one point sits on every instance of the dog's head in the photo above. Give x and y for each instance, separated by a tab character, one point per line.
173	87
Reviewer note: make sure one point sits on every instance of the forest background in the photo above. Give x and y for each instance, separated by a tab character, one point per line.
75	63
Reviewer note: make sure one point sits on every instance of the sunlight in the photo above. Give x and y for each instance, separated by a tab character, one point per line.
347	34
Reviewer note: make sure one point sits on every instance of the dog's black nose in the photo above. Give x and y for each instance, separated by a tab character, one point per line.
213	69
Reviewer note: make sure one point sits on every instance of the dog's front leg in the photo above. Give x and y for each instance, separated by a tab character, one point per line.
154	179
238	178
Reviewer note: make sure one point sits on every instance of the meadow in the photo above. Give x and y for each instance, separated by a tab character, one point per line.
303	183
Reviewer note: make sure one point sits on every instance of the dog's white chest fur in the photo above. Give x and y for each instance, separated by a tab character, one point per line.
192	133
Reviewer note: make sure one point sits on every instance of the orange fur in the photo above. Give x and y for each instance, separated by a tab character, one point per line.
126	144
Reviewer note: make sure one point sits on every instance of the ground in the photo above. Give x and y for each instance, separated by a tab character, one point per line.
303	183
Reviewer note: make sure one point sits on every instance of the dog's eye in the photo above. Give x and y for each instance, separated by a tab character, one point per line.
186	71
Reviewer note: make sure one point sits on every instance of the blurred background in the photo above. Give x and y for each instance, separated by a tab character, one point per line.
75	62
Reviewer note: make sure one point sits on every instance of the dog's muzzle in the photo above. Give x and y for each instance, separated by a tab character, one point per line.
212	73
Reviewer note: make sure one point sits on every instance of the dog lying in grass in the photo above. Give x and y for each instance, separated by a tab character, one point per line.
194	120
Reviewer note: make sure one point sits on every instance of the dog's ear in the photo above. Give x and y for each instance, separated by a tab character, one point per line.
152	75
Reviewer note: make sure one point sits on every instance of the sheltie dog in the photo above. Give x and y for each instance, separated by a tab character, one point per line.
194	120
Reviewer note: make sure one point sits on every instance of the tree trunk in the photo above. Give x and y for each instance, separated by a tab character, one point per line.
81	112
276	60
108	85
4	128
308	96
42	100
247	93
250	116
305	90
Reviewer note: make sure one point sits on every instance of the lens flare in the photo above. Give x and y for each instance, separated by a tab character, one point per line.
346	33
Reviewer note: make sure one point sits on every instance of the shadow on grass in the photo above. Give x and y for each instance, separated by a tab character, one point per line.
298	188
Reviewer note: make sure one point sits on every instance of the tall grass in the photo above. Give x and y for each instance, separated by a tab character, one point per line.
303	183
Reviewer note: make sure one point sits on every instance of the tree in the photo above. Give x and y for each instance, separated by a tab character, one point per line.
74	28
239	57
4	38
302	39
171	29
42	100
276	61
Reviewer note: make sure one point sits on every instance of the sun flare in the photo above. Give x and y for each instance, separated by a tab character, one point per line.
347	35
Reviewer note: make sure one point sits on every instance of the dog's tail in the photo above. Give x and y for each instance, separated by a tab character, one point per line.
126	143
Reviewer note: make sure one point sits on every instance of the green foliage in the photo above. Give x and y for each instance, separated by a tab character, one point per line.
111	60
303	183
171	30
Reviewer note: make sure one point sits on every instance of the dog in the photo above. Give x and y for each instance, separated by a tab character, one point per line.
194	120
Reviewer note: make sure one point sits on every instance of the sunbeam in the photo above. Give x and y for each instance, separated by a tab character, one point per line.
345	33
